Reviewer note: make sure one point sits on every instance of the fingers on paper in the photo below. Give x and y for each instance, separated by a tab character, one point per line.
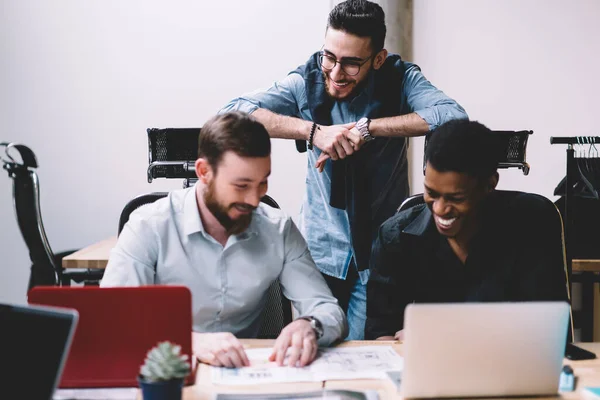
230	353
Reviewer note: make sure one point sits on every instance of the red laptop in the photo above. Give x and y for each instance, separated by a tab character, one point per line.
117	327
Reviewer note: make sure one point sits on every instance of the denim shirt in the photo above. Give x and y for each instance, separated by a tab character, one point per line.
327	229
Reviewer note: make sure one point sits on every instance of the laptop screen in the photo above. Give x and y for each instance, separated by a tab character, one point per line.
34	343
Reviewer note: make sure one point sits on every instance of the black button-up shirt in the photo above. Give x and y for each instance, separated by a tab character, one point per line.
517	255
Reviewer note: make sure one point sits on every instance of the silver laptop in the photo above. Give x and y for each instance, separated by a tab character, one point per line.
483	349
35	342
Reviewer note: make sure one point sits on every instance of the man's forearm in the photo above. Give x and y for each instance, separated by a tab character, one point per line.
402	125
282	126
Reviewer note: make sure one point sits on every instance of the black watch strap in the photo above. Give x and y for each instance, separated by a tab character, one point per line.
316	325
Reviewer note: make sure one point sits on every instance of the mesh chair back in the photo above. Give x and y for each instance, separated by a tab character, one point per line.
277	312
171	151
514	144
26	200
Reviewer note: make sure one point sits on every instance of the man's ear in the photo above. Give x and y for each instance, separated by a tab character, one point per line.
204	171
379	58
493	182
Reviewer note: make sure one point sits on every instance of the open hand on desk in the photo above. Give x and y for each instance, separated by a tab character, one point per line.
397	336
220	349
301	340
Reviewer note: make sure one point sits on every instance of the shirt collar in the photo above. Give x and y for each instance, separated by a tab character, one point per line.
421	224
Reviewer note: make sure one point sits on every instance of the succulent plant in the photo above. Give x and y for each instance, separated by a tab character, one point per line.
165	362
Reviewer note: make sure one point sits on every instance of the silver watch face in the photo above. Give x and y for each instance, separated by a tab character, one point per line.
363	127
317	327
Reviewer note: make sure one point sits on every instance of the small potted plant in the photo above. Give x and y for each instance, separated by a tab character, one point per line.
164	370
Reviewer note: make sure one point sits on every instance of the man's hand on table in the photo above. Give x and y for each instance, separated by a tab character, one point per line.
220	349
397	336
301	340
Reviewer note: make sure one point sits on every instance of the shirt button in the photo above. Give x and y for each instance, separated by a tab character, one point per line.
224	290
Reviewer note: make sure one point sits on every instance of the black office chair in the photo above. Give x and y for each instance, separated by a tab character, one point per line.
277	312
46	268
172	153
418	199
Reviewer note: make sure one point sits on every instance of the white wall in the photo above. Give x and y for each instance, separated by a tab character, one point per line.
515	64
81	81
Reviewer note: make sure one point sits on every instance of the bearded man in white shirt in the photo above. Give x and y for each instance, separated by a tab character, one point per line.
227	247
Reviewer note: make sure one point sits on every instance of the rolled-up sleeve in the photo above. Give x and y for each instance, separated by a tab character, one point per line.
388	294
132	260
303	284
427	101
283	97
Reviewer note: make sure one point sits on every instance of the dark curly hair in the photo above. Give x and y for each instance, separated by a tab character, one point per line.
464	146
361	18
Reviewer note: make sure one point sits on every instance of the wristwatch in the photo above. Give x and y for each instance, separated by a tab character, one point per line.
363	127
316	325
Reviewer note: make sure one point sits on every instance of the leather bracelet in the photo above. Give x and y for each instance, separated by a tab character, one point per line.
312	135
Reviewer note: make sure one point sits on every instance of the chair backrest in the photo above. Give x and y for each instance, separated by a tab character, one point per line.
418	199
277	312
136	203
514	146
411	201
26	200
172	152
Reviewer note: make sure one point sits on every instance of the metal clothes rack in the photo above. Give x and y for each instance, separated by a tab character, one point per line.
586	278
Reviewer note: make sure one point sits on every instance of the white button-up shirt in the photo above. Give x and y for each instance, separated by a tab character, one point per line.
165	243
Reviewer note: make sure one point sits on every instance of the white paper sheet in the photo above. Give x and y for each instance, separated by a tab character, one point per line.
325	394
96	394
361	362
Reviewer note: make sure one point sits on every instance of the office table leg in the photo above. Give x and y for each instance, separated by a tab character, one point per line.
587	307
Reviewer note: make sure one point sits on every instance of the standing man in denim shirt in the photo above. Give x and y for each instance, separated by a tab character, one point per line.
352	105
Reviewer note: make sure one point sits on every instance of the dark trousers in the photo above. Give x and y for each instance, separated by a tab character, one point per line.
342	288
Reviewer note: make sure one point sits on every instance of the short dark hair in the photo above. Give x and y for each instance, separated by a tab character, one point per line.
361	18
466	147
233	131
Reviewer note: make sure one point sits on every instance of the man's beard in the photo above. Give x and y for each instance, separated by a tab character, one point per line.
359	86
232	226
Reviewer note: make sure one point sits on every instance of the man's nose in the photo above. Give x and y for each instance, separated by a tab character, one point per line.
337	72
440	207
252	198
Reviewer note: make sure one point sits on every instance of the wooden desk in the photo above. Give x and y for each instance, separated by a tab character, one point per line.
587	373
93	256
585	265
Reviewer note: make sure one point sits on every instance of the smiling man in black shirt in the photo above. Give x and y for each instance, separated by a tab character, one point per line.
468	242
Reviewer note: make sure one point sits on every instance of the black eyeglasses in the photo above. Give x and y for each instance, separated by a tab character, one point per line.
328	62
